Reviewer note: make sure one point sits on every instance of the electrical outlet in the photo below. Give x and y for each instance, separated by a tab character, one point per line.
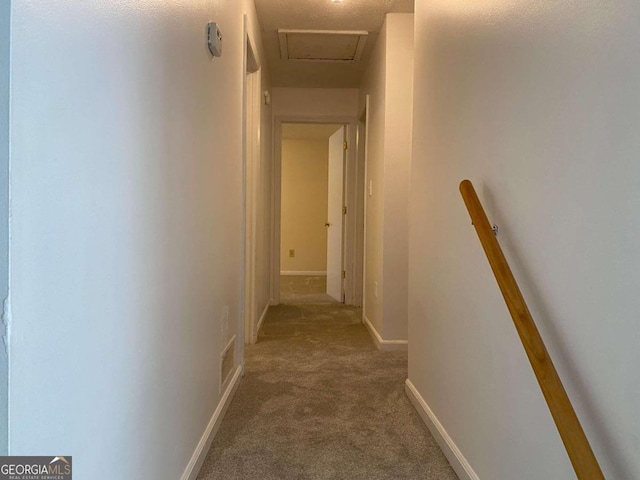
375	289
370	187
292	253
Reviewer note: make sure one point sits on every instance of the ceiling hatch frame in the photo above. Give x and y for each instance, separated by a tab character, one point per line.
357	39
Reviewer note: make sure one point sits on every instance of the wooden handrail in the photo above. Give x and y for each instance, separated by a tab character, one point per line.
575	441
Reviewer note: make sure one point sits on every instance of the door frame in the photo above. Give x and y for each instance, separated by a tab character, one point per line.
251	108
352	199
362	151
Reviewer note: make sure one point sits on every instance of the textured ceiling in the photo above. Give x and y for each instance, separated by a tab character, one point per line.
308	131
322	15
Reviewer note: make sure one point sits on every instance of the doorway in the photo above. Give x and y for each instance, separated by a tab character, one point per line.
353	206
312	211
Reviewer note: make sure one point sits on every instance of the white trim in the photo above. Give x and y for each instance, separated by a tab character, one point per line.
262	317
303	272
364	197
357	272
251	156
449	448
381	343
200	453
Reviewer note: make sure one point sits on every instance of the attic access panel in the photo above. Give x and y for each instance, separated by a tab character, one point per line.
322	45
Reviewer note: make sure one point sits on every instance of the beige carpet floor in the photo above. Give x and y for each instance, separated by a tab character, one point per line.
318	401
303	289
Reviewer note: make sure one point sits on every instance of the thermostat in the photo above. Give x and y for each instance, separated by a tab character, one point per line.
214	38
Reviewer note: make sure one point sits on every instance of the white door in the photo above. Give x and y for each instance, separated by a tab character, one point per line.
334	214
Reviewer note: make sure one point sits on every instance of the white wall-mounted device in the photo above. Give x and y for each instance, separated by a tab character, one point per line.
214	39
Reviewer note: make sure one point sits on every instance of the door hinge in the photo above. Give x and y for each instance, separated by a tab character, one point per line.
344	210
345	145
344	274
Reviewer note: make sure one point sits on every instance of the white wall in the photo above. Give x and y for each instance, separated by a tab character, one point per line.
265	203
374	85
315	101
537	104
388	82
5	12
397	153
305	180
126	228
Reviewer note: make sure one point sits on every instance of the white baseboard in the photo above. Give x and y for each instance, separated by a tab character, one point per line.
381	343
262	317
200	453
309	272
449	448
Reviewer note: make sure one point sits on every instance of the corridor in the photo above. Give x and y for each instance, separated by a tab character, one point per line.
318	401
141	248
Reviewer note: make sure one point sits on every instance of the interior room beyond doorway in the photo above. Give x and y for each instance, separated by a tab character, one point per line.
311	228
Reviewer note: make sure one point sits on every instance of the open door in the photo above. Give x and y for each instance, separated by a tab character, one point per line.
335	215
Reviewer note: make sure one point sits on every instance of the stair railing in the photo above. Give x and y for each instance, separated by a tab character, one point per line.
575	441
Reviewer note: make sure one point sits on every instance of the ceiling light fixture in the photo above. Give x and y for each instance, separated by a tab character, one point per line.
337	1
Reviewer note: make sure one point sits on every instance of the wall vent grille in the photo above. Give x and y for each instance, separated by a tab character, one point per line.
227	361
